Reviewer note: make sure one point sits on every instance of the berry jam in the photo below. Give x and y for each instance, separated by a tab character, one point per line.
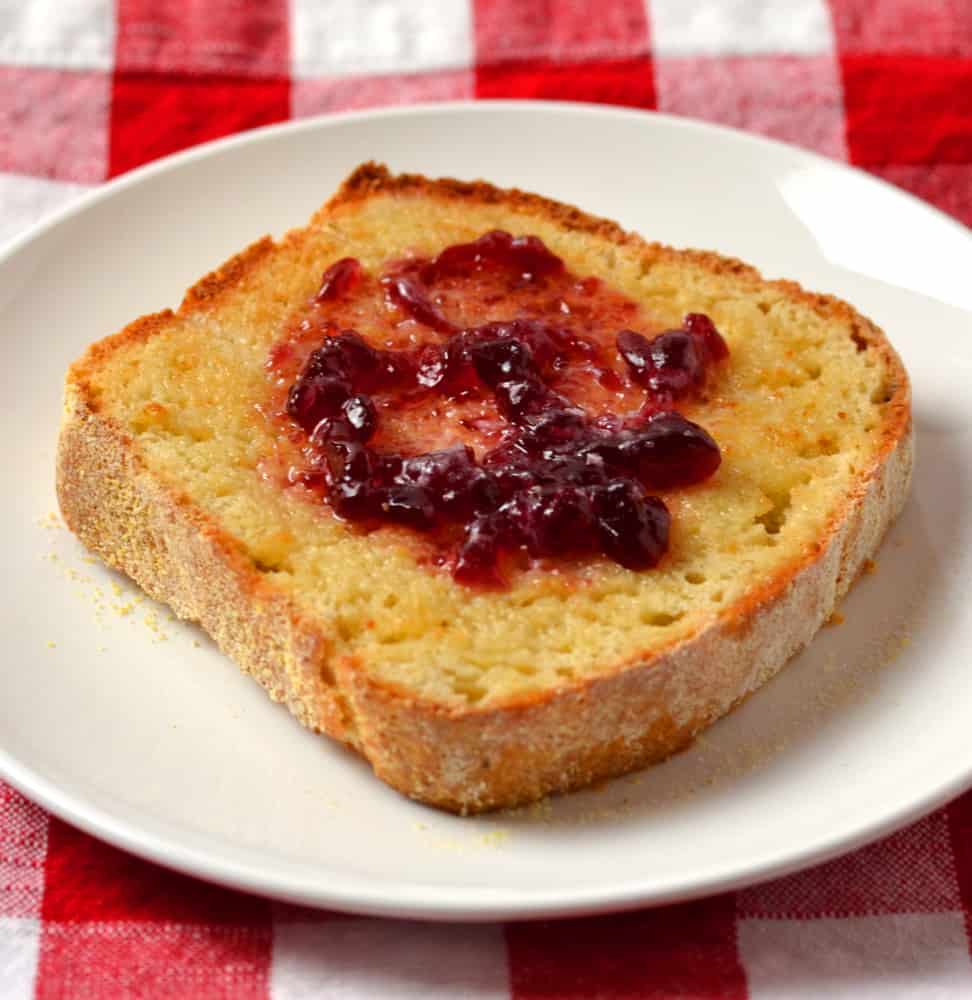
548	421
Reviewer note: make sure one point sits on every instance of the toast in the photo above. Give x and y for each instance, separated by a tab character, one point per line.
173	465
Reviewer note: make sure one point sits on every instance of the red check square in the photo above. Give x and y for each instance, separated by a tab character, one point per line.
908	109
959	815
677	951
88	881
152	116
132	961
617	81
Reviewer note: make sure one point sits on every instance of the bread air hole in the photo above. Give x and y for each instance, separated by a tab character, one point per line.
822	446
527	600
152	417
786	376
695	578
659	619
774	519
469	690
882	394
860	341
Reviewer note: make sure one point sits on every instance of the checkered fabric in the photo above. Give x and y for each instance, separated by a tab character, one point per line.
91	88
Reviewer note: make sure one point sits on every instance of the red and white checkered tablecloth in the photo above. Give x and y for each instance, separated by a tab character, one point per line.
91	88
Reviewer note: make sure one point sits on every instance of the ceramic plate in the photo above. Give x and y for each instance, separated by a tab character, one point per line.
134	727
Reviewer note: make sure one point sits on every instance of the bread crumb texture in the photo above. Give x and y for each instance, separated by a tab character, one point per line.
797	412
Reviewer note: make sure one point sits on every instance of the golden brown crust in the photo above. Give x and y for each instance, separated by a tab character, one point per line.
138	330
202	296
371	179
177	554
472	758
206	292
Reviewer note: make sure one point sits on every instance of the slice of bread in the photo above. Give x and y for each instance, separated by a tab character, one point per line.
465	698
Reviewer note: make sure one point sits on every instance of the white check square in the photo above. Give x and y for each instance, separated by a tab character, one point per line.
915	956
19	950
58	34
350	959
332	37
740	27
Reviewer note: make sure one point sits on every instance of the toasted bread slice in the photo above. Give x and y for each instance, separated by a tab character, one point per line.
465	698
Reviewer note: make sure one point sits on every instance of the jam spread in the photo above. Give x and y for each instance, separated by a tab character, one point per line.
498	404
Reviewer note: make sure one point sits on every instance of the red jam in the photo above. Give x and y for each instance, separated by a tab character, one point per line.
496	403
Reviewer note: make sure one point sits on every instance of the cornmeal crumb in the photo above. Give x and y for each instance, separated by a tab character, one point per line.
495	838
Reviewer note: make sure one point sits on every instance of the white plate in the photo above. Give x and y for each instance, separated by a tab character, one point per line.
164	748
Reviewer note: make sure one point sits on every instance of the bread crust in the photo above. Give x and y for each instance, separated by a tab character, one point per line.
472	758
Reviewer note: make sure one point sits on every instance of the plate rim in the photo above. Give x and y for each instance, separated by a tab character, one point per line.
416	900
137	175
